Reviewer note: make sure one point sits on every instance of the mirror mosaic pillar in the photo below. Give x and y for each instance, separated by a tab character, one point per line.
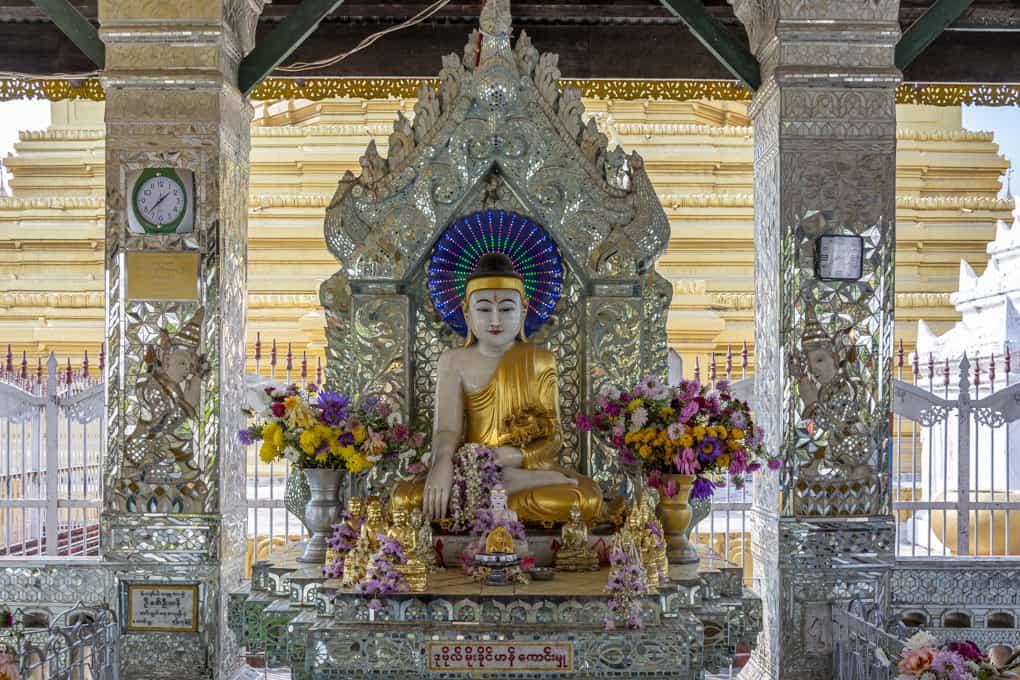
173	497
824	164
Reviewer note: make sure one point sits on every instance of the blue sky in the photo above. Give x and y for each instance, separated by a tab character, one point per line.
1003	121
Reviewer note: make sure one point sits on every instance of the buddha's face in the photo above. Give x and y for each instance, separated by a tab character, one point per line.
373	511
399	517
354	506
495	317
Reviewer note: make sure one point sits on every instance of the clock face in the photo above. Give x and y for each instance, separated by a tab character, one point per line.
160	201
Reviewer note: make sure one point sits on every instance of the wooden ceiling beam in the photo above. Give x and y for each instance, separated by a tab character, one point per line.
927	28
734	56
286	37
76	27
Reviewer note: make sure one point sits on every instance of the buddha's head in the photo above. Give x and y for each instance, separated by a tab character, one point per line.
575	513
399	517
354	507
374	510
416	517
495	304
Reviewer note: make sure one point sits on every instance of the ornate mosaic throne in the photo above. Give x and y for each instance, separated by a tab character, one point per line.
499	134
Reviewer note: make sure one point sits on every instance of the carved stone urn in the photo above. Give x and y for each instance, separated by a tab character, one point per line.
321	512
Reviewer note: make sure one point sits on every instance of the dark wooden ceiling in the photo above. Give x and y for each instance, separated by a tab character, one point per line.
623	39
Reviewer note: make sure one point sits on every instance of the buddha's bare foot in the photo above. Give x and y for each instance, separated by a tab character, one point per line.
517	480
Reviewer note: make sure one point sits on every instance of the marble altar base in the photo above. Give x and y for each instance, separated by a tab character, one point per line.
322	630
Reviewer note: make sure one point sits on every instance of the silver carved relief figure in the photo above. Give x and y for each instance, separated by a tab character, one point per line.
832	398
159	450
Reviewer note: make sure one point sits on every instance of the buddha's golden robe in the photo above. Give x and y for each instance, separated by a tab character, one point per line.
520	407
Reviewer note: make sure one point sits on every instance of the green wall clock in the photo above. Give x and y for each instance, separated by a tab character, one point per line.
161	201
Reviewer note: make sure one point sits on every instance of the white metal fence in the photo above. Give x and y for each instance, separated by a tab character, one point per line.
51	449
80	643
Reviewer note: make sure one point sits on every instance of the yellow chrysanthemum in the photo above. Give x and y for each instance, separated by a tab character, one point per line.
273	433
736	433
359	434
723	460
292	402
309	441
267	452
355	461
666	411
645	451
322	457
699	432
634	405
686	441
720	431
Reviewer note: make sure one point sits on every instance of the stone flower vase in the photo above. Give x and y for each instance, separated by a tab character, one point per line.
675	515
321	512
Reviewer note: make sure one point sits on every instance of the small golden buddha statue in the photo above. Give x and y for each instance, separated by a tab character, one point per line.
575	554
414	570
658	537
356	562
501	391
355	508
635	536
499	540
425	548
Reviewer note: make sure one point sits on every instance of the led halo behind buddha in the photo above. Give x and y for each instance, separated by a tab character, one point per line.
499	390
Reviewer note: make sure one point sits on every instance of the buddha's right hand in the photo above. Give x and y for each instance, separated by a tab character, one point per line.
437	488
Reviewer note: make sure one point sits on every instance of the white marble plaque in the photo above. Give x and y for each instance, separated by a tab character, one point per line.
163	607
505	657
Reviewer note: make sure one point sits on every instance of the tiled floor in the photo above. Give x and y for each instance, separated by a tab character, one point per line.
284	674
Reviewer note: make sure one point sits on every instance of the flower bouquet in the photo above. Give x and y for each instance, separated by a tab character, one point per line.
693	429
684	440
924	658
383	577
325	434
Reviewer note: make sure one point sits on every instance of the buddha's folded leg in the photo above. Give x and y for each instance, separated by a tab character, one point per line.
552	503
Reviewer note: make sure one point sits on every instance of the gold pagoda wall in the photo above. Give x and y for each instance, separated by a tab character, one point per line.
698	155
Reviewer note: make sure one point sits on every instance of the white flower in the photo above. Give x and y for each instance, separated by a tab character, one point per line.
921	639
373	458
882	657
292	454
609	391
394	418
638	418
426	458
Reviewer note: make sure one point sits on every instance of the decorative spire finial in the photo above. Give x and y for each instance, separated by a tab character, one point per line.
496	19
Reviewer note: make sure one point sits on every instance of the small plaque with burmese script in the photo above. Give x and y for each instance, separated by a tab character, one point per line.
162	276
162	607
503	657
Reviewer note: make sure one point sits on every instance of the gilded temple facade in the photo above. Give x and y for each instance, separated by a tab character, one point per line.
698	155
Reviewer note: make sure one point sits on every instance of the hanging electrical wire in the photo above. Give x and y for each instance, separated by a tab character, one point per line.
427	13
297	67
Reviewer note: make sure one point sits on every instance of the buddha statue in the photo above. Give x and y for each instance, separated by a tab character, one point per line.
501	391
657	535
413	570
575	554
635	536
499	541
425	548
356	562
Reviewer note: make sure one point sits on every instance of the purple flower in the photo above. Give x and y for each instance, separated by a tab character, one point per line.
702	488
654	478
775	464
247	436
626	456
951	666
583	423
754	467
334	407
738	420
709	449
614	410
722	385
346	439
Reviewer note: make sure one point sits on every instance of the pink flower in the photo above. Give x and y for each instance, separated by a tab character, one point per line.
689	410
738	462
417	440
654	478
614	410
675	431
722	385
619	431
416	468
670	489
966	649
279	410
916	660
775	464
686	462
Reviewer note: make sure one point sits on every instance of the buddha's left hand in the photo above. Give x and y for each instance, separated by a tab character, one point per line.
509	456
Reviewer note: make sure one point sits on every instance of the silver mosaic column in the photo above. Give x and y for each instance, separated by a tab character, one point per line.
824	165
173	507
